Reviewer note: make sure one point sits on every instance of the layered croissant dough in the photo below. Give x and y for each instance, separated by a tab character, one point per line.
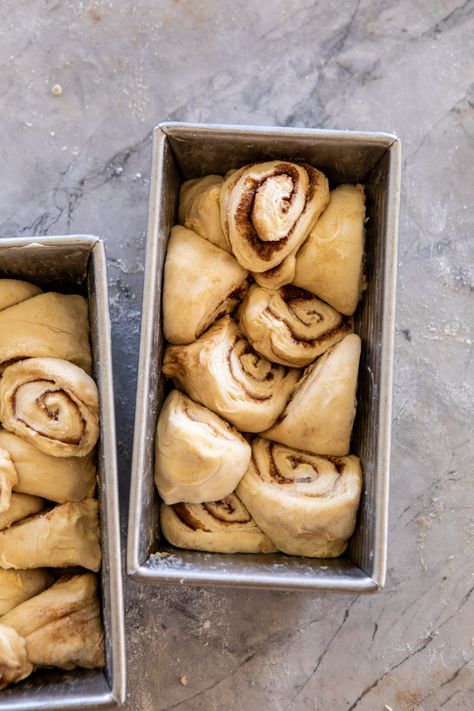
223	526
46	325
201	283
268	210
64	536
306	504
199	208
59	627
223	372
330	263
198	457
320	414
51	403
290	326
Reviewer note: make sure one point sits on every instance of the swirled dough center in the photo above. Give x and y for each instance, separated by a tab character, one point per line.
278	205
49	411
304	474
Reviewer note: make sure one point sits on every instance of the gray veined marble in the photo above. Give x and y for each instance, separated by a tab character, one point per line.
79	162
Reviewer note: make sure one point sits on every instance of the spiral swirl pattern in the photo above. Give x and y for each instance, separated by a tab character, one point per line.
223	526
290	326
305	503
51	403
223	372
268	210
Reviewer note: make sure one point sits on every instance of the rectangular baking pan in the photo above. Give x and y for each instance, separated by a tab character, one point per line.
182	151
76	264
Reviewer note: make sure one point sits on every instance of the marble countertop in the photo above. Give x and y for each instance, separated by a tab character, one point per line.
79	163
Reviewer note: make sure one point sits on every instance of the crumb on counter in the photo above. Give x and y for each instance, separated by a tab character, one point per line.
56	90
184	680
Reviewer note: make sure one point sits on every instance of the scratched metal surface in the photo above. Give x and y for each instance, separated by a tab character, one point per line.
80	162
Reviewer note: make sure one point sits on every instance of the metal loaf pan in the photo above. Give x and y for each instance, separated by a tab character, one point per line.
182	151
76	264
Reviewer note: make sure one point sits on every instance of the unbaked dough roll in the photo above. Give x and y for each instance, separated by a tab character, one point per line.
290	326
198	456
216	526
14	662
51	403
58	479
16	586
306	504
223	372
330	263
201	283
282	274
8	479
199	208
320	414
61	626
268	210
62	537
14	291
47	325
21	506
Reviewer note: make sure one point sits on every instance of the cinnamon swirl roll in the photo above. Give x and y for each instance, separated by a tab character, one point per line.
320	414
8	479
46	325
290	326
17	586
201	283
306	504
14	662
223	372
330	263
280	275
268	210
198	456
199	208
51	403
21	506
58	479
14	291
62	537
61	626
216	526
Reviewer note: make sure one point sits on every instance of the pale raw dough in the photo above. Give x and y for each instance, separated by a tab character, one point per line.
201	283
47	325
198	456
199	208
51	403
14	291
21	506
320	414
330	263
306	504
16	586
61	626
282	274
62	537
58	479
268	210
217	526
290	326
14	662
223	372
8	479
